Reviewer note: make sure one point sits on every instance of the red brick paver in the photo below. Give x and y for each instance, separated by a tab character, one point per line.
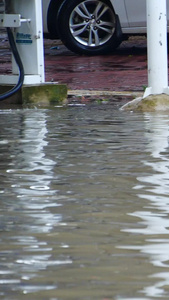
123	70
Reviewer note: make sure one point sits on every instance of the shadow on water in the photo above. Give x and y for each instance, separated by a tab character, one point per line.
83	204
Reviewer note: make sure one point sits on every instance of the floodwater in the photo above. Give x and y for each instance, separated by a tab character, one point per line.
84	204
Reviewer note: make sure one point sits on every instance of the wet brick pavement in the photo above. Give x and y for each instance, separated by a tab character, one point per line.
123	70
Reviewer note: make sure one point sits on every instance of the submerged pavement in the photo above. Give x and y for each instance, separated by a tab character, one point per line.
123	72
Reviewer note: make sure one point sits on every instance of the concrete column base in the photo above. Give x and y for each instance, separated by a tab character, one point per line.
151	103
44	94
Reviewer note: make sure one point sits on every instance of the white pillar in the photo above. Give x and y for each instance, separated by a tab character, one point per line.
157	48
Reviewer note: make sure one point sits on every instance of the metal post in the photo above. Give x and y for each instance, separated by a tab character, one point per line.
157	48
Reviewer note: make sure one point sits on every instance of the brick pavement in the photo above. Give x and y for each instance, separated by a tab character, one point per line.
123	70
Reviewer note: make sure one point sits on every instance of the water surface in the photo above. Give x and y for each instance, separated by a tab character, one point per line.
84	204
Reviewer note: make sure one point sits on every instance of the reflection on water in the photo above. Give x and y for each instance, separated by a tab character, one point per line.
25	201
83	204
155	188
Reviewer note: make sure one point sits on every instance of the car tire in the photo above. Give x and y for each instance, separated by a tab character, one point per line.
88	26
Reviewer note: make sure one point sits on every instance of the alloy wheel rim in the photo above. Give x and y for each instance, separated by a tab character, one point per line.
92	23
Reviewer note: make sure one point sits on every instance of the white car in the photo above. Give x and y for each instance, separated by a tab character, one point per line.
94	26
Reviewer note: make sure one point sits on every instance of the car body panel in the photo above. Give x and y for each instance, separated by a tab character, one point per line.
132	15
136	12
120	10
